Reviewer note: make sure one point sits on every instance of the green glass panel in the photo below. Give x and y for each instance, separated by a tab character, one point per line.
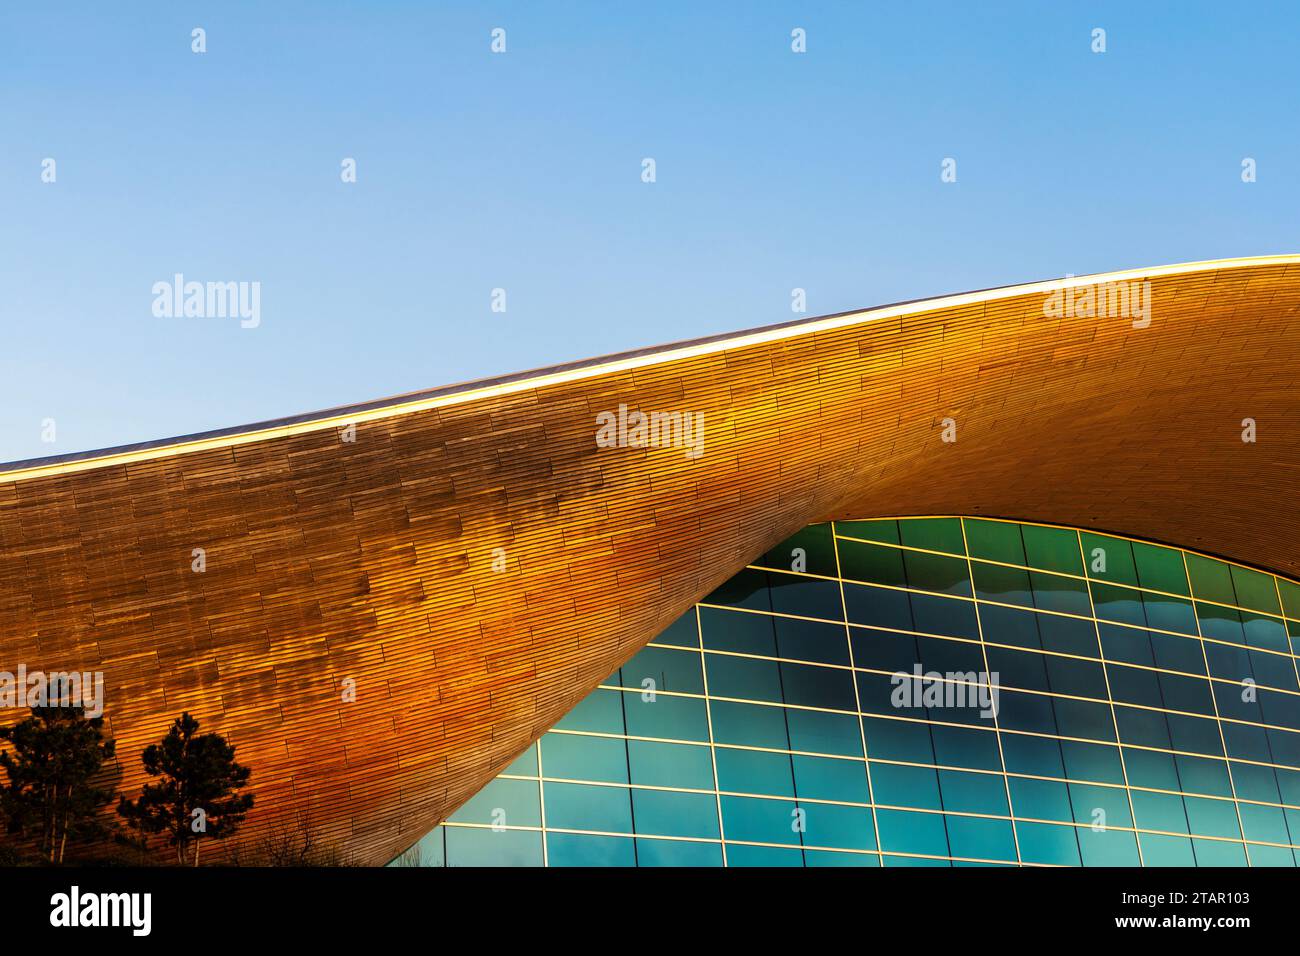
1109	559
683	632
1160	569
995	540
994	582
885	531
1169	613
932	534
805	597
815	641
737	631
747	589
1255	589
1211	580
810	551
1122	605
872	563
1053	592
933	572
1290	597
1052	549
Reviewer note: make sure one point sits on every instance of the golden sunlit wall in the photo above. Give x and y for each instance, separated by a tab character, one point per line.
928	691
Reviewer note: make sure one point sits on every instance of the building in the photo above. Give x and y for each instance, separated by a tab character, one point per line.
384	606
1121	736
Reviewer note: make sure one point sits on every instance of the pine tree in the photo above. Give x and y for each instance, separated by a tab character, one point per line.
57	754
196	795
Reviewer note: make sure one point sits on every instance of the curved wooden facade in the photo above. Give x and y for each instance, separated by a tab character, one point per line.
476	563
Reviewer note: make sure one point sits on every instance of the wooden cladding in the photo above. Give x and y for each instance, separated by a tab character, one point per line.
474	566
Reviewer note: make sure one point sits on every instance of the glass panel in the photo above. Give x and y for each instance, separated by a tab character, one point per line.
885	531
1109	559
664	669
1052	549
1255	590
683	632
934	572
754	771
820	778
574	849
1290	593
810	551
665	813
995	540
932	534
1045	843
1211	580
503	802
1160	569
678	853
572	806
474	846
760	821
759	715
872	564
582	757
655	764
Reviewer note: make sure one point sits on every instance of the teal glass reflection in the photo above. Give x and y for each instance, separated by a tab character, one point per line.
764	726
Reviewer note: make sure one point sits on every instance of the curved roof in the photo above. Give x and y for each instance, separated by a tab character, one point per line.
475	562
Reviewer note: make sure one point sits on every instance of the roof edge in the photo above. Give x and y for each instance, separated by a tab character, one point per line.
446	395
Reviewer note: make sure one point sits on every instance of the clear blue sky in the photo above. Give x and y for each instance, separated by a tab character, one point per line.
523	171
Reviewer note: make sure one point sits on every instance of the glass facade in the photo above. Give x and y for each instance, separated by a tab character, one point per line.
928	691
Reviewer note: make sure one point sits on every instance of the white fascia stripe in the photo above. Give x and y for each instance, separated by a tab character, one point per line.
668	353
